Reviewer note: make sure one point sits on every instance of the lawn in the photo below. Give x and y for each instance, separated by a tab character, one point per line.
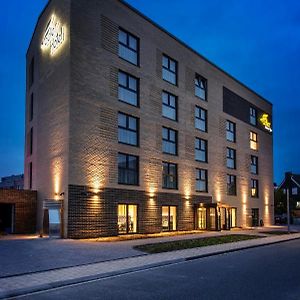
194	243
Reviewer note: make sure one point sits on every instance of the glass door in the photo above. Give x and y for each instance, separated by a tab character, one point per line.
202	218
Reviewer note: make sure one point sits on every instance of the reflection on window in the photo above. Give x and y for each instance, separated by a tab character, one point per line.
169	218
201	118
169	175
128	47
128	169
169	106
128	88
169	69
230	131
127	218
127	129
231	185
200	150
254	164
200	87
253	114
230	158
201	180
169	141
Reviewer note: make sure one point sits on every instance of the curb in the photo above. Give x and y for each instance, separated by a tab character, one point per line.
86	279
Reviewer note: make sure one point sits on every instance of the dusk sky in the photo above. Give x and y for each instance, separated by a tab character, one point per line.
257	42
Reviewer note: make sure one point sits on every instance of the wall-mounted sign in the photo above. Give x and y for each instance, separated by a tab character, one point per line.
264	119
54	36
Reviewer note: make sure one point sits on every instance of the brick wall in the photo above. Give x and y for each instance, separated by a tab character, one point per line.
25	203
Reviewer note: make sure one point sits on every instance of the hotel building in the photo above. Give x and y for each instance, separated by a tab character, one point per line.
129	130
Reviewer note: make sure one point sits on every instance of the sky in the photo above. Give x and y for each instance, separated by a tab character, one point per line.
257	42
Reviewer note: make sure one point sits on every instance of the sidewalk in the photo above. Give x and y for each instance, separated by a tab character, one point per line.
17	285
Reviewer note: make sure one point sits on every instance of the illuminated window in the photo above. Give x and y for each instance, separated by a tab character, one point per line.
200	119
169	175
201	212
128	129
200	87
128	88
127	218
231	185
169	106
201	180
200	150
230	131
31	108
169	218
128	169
233	214
253	116
230	158
253	140
169	69
254	164
128	47
254	188
169	141
298	204
31	73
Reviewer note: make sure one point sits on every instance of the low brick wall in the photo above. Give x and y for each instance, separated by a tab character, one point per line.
25	203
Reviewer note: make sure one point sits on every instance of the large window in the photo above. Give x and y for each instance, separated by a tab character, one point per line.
128	129
254	188
128	88
169	175
230	158
200	87
230	131
127	218
169	69
254	164
169	141
253	116
169	106
128	169
231	185
200	150
201	180
128	47
201	118
169	218
253	141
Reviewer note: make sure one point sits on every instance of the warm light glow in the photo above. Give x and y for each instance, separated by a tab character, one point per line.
56	170
253	192
54	36
265	122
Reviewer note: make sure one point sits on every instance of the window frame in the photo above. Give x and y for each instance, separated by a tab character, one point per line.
205	150
253	141
168	105
253	116
168	175
254	185
137	131
230	130
199	108
254	165
137	92
199	179
127	45
204	80
170	59
170	141
127	218
128	169
169	217
228	182
231	156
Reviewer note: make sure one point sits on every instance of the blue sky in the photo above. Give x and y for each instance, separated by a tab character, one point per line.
256	41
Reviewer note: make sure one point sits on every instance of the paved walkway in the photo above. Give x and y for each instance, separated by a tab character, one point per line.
21	284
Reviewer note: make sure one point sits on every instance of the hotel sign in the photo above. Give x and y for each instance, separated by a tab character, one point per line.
264	120
54	36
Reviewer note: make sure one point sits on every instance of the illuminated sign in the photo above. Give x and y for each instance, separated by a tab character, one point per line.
264	119
54	36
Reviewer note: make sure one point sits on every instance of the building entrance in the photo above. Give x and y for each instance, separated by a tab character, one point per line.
7	218
255	217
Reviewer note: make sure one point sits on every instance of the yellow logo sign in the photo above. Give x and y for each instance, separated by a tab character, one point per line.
54	36
265	122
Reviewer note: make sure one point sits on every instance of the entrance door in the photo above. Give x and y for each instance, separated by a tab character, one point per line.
54	222
201	218
7	215
255	217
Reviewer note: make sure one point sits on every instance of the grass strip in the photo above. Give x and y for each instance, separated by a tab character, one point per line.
194	243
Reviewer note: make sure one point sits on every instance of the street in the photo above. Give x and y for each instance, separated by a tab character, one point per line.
270	272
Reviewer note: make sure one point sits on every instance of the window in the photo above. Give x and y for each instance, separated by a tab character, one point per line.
128	47
31	108
233	221
294	191
127	218
169	106
230	158
128	169
169	218
31	73
200	150
30	175
201	118
169	69
200	87
201	180
253	114
230	131
298	204
231	185
169	175
253	141
254	188
128	129
169	141
254	164
128	88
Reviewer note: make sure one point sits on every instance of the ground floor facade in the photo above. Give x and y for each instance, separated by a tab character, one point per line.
112	212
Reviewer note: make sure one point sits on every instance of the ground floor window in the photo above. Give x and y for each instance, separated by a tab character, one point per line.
233	217
127	218
169	218
212	218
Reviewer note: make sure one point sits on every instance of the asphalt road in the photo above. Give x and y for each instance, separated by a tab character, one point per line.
270	272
